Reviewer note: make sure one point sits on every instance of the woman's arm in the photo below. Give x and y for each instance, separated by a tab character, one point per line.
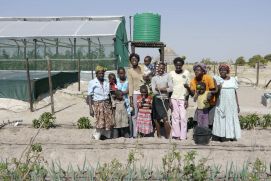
238	108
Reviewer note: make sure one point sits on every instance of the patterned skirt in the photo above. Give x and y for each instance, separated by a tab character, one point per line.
104	114
144	122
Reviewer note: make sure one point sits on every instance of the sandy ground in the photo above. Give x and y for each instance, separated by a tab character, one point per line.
69	145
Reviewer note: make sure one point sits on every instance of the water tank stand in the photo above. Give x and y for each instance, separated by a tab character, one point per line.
159	45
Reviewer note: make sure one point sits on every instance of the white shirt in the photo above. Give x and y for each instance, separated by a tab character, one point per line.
99	91
178	81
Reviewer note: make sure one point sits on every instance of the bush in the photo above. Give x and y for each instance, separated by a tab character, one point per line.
266	121
46	120
251	121
84	123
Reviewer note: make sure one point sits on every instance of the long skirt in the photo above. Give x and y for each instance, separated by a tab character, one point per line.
144	122
104	114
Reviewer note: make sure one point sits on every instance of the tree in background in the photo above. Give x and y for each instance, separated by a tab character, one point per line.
240	61
207	61
256	58
268	57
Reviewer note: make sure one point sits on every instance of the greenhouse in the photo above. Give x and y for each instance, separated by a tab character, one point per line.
66	41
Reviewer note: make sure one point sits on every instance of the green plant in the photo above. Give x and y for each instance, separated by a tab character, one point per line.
249	121
36	147
46	120
172	163
266	121
84	123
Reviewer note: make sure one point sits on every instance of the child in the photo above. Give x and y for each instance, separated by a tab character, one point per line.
203	105
149	69
144	103
121	128
113	82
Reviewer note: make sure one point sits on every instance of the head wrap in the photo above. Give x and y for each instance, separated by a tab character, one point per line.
225	66
100	68
202	66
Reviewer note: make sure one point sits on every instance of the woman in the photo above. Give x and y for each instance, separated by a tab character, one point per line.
202	76
123	86
135	79
161	86
99	104
226	121
179	99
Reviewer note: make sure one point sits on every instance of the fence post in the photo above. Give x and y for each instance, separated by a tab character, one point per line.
257	75
50	84
29	85
79	70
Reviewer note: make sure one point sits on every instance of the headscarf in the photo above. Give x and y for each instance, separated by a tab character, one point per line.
224	66
202	66
100	68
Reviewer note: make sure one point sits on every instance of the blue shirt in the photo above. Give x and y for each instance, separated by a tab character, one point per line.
123	87
99	91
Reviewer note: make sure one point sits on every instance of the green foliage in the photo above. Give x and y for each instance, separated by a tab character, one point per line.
36	147
207	61
46	120
32	168
240	61
266	121
84	123
268	57
256	58
251	121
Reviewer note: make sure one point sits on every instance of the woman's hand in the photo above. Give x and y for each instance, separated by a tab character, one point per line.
91	111
170	105
185	104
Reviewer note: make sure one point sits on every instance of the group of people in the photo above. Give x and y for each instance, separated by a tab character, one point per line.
142	100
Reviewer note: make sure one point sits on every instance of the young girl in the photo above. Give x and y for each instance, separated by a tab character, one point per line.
121	128
202	111
113	82
144	103
123	86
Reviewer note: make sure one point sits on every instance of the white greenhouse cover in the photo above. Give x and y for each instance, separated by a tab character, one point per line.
40	27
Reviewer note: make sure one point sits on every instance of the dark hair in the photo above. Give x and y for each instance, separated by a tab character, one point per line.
178	59
111	74
120	68
134	55
143	87
162	63
148	57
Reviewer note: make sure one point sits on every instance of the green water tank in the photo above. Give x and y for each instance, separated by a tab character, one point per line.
147	27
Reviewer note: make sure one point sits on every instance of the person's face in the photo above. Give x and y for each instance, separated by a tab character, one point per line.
121	74
147	61
223	72
134	61
112	78
178	66
161	69
144	93
100	75
198	72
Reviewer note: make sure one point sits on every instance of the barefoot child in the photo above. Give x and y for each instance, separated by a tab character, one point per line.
144	103
121	128
202	112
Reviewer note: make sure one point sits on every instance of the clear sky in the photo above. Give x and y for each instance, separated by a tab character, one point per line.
216	29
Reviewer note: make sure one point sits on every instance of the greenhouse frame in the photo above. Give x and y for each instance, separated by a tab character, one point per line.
71	44
92	39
